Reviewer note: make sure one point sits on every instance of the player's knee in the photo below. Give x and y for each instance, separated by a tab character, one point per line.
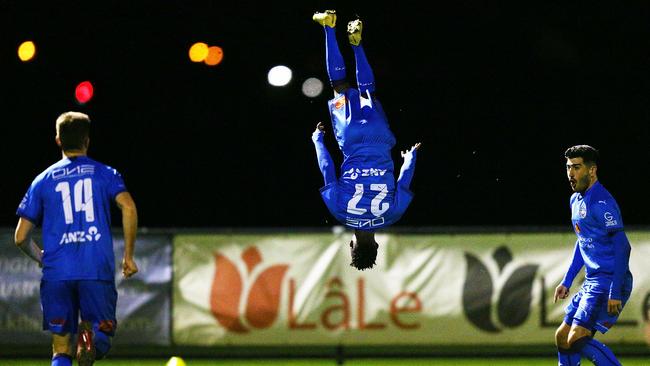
576	345
578	336
562	337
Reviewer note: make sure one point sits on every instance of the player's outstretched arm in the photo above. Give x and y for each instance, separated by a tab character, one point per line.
408	167
130	226
24	241
325	162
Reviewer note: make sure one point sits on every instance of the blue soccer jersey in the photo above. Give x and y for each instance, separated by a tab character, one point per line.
365	196
594	216
71	200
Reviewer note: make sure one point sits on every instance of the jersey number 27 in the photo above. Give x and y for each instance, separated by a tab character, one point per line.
376	206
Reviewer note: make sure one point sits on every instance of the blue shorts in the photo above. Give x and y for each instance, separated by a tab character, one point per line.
63	301
359	121
588	307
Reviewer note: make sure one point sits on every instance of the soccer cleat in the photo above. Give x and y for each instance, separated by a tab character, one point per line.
85	344
326	18
354	31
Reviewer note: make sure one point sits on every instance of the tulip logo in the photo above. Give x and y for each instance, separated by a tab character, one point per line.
514	301
262	299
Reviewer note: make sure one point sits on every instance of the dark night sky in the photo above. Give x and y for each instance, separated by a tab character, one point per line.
495	92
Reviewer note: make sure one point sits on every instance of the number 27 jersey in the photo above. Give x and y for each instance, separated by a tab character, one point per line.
364	199
71	200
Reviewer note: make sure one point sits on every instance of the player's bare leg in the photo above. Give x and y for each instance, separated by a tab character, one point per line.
562	336
61	349
576	333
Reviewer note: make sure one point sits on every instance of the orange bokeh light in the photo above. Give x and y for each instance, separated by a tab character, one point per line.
215	55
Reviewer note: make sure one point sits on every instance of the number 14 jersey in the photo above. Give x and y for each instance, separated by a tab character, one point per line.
71	200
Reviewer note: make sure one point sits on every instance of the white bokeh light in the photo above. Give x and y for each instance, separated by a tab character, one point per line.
279	75
312	87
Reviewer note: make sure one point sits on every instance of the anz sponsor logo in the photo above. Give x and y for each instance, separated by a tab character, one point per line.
92	235
609	219
354	173
73	172
361	223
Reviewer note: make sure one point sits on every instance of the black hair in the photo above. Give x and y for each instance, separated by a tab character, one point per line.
588	154
364	255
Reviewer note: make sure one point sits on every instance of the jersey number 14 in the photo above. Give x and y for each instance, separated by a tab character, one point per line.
83	199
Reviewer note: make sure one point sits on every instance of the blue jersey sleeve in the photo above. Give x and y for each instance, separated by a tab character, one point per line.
607	214
621	262
115	183
31	206
325	162
576	265
403	198
329	193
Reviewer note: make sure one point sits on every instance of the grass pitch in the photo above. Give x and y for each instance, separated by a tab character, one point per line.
490	361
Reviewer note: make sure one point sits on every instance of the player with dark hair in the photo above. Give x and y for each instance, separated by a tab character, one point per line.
365	197
603	249
71	201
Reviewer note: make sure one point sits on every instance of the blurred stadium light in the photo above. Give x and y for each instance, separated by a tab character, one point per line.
214	56
84	92
279	75
26	51
198	52
312	87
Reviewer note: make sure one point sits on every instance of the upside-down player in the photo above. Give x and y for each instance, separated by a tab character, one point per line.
366	196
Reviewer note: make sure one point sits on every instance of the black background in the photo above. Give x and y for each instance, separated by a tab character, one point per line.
495	92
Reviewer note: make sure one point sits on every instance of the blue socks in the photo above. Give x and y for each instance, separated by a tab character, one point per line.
365	77
61	359
598	353
335	62
102	343
567	358
590	349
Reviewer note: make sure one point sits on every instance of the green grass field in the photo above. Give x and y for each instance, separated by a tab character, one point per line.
325	362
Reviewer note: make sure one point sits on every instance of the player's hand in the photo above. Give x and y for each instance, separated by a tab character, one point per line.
319	132
561	292
129	268
409	152
614	307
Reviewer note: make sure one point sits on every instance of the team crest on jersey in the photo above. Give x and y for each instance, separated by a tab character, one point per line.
340	102
583	211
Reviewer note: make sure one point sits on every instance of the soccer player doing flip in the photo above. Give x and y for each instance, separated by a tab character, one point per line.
365	197
603	249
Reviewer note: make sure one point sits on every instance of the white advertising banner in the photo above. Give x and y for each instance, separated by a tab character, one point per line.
298	289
